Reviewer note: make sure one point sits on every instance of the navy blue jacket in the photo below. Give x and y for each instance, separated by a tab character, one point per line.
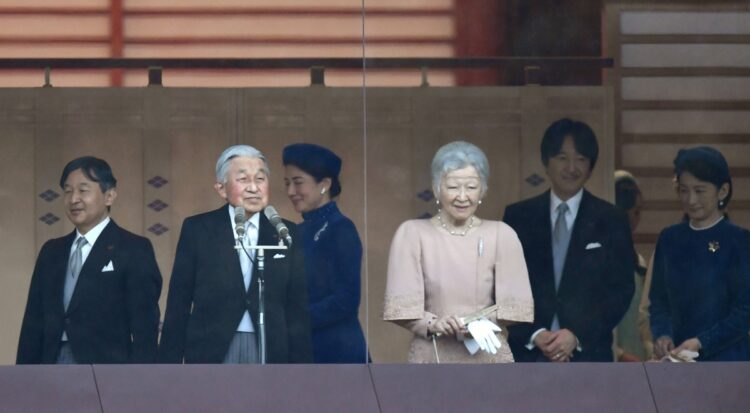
701	288
333	257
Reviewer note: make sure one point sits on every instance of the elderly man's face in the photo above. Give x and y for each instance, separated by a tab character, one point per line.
247	184
460	191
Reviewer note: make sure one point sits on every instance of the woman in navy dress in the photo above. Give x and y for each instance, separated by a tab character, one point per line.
333	253
700	293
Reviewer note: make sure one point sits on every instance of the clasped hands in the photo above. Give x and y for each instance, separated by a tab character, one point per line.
557	346
482	331
664	346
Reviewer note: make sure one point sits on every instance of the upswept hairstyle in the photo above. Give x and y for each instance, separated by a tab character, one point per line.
457	155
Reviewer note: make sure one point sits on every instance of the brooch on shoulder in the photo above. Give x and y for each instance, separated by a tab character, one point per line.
320	231
713	246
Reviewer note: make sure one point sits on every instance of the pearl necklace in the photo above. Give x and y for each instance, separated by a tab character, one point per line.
453	231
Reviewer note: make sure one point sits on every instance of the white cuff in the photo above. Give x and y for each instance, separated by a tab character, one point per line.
530	345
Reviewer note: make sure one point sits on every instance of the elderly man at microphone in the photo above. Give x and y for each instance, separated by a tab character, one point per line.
212	311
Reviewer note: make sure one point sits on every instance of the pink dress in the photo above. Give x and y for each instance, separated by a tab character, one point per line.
432	273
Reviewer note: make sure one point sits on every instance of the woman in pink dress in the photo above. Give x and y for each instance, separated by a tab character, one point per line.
443	271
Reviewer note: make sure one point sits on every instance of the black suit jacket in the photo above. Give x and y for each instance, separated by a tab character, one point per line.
207	296
596	285
113	316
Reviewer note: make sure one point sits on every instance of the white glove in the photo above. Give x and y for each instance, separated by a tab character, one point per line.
483	331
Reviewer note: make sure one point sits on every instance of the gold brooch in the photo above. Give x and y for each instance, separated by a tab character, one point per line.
713	246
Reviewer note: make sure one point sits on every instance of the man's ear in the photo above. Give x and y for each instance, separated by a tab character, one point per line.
109	197
221	190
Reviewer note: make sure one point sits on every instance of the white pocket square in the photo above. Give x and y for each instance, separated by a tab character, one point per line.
593	245
109	267
277	256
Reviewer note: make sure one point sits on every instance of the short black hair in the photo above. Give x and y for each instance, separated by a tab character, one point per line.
95	169
583	136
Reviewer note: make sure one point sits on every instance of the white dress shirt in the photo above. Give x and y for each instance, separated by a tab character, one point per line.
250	239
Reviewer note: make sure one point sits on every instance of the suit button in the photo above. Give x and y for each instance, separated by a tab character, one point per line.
67	321
247	302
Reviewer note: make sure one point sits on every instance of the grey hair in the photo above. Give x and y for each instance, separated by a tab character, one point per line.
458	155
222	164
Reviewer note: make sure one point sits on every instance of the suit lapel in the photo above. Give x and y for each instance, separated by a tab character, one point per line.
100	255
266	236
223	243
582	229
544	237
60	269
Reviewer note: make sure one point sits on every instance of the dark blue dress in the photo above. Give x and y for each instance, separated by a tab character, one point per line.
333	257
701	288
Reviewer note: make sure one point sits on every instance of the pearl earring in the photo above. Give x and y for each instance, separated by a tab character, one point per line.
480	202
322	191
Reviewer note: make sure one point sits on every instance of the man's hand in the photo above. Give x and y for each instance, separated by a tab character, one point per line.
557	346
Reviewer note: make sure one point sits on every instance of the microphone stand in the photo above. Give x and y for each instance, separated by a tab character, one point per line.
261	298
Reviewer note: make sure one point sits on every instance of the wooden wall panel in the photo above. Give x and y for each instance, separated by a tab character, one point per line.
18	196
163	143
507	123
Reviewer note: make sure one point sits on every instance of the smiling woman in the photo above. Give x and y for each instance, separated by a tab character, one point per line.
456	281
700	292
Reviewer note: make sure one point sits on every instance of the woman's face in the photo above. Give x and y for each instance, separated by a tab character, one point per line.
700	199
303	191
460	192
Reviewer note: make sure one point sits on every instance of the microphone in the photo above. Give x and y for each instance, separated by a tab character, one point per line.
275	220
239	222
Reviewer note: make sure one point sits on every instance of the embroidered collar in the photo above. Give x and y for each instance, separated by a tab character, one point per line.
321	213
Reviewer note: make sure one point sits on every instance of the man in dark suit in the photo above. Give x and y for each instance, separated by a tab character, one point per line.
212	306
94	295
579	253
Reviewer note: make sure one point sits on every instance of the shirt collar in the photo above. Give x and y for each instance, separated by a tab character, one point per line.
573	203
254	219
93	233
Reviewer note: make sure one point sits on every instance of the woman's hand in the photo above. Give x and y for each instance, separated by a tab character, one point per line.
663	346
446	325
692	344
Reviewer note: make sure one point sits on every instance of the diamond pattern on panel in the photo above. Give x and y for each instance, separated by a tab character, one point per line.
534	180
157	229
158	205
49	195
49	218
426	195
157	181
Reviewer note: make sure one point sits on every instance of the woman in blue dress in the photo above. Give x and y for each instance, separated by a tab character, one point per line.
700	293
333	253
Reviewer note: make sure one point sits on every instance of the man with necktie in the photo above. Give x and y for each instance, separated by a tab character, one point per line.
579	253
94	294
212	306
